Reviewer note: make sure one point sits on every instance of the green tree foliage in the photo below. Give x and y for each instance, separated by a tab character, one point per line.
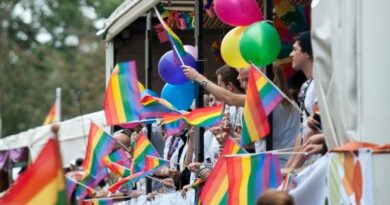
46	44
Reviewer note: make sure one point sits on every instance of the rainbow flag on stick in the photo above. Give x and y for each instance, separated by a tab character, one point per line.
132	178
121	101
99	145
119	156
205	117
250	175
42	183
142	148
215	190
269	94
117	169
153	163
55	110
175	41
255	121
153	107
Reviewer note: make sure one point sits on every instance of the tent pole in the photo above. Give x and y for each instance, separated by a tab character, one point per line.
268	13
148	77
199	132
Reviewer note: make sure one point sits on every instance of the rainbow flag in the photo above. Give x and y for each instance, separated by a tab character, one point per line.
105	201
153	107
175	41
132	178
270	96
70	187
121	101
255	122
142	148
153	163
288	182
204	117
174	128
250	175
117	169
215	190
42	183
54	115
119	156
99	145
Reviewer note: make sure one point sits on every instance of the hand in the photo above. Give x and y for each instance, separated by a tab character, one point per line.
315	139
215	130
205	173
174	174
168	182
190	72
312	123
194	167
135	193
151	196
185	189
313	149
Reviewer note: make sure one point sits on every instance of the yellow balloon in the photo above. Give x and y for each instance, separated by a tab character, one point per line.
141	87
230	48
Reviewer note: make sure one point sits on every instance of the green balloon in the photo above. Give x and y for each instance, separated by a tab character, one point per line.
260	44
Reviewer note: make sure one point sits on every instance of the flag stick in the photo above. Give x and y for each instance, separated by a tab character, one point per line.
83	185
164	25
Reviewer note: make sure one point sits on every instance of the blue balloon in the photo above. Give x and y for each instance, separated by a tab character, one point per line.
148	92
170	70
181	96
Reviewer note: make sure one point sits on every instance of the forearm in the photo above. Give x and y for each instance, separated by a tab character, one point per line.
221	93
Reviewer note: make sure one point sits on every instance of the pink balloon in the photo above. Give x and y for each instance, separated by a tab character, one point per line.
238	12
191	50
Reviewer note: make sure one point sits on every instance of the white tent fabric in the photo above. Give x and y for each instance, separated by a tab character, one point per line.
350	48
72	137
335	68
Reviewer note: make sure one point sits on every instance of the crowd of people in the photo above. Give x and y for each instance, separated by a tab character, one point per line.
295	127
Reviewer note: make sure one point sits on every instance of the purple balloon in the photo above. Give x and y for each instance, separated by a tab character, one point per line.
170	70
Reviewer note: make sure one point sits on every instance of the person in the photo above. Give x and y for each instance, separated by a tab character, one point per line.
302	60
273	197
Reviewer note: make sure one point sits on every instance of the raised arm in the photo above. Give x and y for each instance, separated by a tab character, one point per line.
220	93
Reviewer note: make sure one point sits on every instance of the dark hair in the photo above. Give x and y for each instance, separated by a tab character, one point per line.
272	197
229	74
304	41
79	162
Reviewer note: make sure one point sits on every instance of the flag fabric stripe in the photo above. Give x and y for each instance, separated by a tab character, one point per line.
153	163
122	97
174	128
153	107
119	156
269	95
99	202
255	121
117	169
51	116
70	187
215	190
250	175
131	178
42	182
204	117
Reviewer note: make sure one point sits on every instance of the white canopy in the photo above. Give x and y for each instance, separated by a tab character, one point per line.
72	137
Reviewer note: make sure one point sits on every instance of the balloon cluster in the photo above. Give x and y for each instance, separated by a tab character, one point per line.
253	41
178	90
